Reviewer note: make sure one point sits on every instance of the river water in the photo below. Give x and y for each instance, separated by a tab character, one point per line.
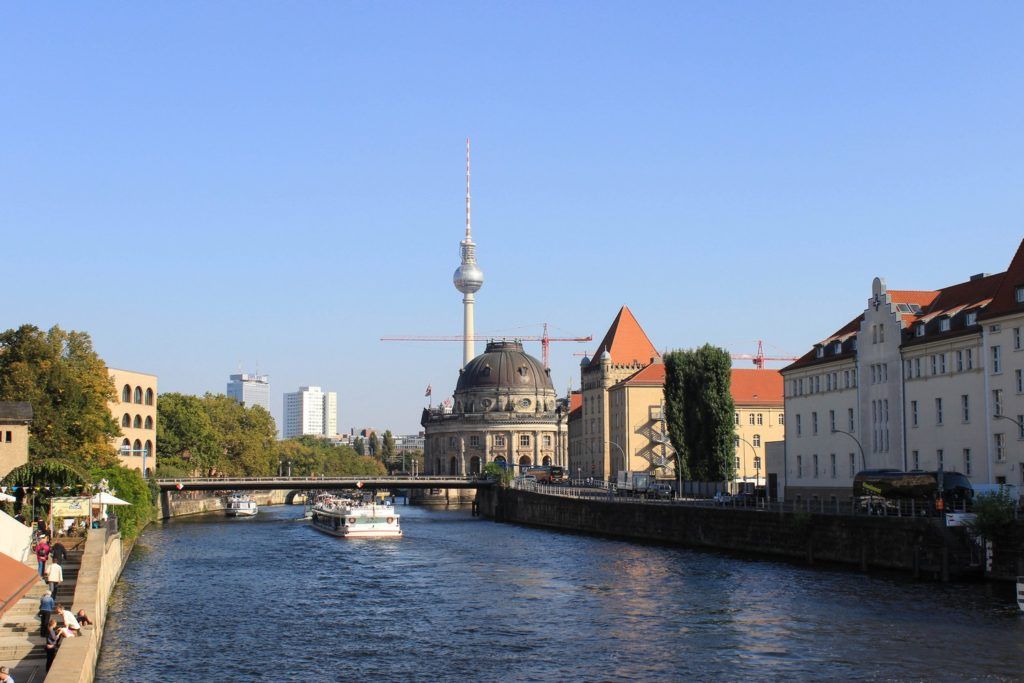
461	598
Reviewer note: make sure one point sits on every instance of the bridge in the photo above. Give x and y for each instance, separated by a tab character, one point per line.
315	483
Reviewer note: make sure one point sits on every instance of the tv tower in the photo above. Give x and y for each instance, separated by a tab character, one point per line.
468	278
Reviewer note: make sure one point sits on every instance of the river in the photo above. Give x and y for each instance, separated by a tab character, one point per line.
461	598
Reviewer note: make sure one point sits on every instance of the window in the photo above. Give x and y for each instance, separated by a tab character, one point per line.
908	369
499	440
138	394
832	420
970	359
935	364
814	422
917	459
919	330
997	361
846	379
7	437
944	325
832	459
960	361
149	397
798	429
1020	294
799	467
938	411
849	415
474	440
913	413
997	401
137	422
971	318
815	465
942	364
126	394
1020	426
757	440
1000	443
737	463
149	422
782	418
750	418
547	440
967	461
817	383
737	417
838	347
881	334
524	440
939	459
853	465
760	418
736	442
874	334
126	421
965	406
453	442
819	352
1020	381
757	462
1016	339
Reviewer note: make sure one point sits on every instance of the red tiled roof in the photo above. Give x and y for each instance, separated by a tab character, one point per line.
575	405
757	387
921	297
1004	298
626	342
653	374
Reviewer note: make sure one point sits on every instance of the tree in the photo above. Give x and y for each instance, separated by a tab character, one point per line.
309	455
66	382
699	412
359	445
245	436
128	485
387	447
373	445
185	437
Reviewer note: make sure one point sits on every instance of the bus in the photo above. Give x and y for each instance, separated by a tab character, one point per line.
547	474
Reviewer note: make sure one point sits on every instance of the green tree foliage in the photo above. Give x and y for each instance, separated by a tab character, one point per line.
373	445
993	513
699	412
246	436
186	440
310	456
128	485
495	471
359	445
387	446
66	382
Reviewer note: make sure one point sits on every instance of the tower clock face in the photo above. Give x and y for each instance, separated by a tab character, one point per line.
525	403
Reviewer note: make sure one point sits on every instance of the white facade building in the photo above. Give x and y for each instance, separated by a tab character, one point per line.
250	390
310	411
921	380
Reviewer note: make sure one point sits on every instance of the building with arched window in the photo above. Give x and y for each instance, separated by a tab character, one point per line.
135	411
504	410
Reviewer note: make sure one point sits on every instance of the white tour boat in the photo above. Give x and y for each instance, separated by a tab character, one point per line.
350	518
240	505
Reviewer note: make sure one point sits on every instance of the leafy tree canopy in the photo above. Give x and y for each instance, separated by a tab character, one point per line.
66	382
309	456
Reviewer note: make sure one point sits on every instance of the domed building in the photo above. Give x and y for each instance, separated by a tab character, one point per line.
504	410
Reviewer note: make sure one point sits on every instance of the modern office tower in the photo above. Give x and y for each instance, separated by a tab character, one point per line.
310	411
250	390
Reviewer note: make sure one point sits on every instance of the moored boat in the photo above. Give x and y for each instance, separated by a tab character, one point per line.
240	505
352	518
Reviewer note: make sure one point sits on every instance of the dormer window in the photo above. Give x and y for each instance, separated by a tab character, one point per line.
838	347
819	352
944	325
919	330
971	318
486	371
1020	294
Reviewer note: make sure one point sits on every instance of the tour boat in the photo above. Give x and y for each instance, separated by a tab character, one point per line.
348	518
240	505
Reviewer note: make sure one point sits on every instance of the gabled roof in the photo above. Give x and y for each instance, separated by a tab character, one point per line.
756	387
15	410
626	342
1004	298
653	375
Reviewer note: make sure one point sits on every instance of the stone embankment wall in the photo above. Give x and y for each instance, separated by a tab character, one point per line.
1008	553
174	504
921	546
102	561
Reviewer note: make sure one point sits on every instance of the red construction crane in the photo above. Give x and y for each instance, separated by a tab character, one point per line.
544	339
759	358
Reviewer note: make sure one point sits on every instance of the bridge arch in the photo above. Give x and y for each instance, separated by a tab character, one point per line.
524	462
289	498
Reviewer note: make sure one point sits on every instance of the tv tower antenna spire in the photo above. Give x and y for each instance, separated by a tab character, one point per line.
468	277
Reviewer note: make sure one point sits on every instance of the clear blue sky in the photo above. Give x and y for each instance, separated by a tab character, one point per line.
203	184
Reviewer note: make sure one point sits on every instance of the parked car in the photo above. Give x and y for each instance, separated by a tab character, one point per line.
723	498
660	490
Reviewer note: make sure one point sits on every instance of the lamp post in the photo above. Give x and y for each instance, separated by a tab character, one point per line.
757	476
863	460
625	465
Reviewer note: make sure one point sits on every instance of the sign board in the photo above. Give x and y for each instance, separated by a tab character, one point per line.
70	507
959	518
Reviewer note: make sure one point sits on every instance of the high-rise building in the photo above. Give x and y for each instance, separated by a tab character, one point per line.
250	390
310	411
468	278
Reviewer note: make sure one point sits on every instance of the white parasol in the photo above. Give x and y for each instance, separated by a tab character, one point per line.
6	498
104	498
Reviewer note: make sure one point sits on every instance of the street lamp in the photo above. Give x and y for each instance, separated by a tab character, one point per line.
757	477
625	465
863	460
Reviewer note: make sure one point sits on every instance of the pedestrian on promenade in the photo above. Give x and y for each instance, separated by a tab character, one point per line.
58	552
55	576
52	642
45	612
83	618
42	553
5	675
69	619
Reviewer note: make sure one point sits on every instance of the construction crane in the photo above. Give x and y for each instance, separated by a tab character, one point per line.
544	339
759	358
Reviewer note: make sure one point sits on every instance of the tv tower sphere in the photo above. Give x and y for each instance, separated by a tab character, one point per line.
468	278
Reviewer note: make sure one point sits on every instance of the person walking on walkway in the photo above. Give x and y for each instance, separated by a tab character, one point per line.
52	642
55	576
45	612
58	552
42	553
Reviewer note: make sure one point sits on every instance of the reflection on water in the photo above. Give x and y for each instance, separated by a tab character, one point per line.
460	598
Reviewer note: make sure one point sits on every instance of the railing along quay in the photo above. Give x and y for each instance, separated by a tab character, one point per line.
607	493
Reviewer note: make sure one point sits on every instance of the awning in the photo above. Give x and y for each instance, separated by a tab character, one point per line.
15	580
